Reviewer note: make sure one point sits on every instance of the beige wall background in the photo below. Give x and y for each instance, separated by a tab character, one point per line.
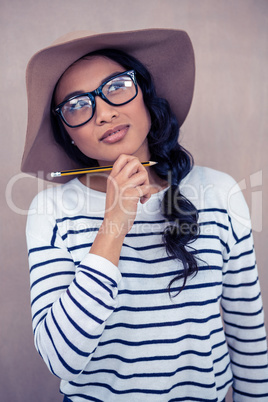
226	130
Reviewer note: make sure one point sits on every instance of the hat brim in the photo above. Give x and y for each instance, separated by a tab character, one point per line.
167	53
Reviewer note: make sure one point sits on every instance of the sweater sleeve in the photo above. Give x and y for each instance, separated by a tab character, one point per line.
242	309
70	304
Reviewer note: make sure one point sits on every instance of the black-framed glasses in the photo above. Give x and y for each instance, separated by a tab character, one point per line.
117	91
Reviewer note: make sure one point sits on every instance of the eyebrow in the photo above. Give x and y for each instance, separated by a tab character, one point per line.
72	94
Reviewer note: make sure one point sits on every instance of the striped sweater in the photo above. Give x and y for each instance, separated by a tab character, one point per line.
114	334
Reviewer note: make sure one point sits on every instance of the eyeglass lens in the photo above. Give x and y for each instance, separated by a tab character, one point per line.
117	91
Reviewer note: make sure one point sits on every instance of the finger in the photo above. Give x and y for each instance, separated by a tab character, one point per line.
144	192
131	169
137	179
126	166
120	163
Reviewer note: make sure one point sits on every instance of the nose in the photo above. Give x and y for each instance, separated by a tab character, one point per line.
104	113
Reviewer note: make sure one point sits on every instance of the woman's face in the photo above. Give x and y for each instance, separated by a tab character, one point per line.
129	124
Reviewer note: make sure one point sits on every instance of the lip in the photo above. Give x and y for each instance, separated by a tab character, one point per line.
115	134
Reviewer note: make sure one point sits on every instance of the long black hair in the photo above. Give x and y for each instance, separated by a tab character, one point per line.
174	163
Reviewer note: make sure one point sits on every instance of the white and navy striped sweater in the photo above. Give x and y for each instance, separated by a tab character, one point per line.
113	334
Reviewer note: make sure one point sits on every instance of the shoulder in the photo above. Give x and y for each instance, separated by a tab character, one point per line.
69	199
201	175
215	184
52	196
210	189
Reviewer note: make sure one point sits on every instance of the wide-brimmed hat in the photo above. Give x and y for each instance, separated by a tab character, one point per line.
167	53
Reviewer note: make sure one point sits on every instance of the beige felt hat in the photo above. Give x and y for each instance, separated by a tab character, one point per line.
167	53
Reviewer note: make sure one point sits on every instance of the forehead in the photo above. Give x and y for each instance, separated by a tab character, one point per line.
85	75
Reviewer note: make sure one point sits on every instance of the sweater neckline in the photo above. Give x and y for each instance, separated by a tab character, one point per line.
100	194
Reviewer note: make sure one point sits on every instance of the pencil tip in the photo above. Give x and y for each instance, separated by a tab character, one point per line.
152	163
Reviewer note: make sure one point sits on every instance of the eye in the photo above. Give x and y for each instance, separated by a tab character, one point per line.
115	86
118	84
78	104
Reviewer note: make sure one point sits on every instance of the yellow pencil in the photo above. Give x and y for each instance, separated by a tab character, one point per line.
96	169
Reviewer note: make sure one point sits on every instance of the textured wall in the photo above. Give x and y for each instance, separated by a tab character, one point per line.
226	130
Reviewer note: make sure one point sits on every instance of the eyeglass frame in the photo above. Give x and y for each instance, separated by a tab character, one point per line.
97	92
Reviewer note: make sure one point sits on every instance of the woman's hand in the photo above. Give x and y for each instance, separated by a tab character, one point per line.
127	184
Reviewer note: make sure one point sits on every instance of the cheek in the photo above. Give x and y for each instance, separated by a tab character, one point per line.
143	116
79	134
83	140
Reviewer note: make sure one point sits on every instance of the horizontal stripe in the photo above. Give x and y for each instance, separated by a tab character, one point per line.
63	362
252	380
242	299
224	386
97	218
46	307
246	237
143	248
249	366
166	307
220	210
76	326
150	358
219	374
165	274
86	312
40	249
244	327
46	292
153	222
207	251
220	225
141	260
192	399
148	375
246	340
160	341
66	340
79	247
144	390
223	356
250	395
243	313
240	285
76	232
261	353
99	273
96	299
78	217
47	262
43	278
146	234
240	270
245	253
175	289
98	282
163	324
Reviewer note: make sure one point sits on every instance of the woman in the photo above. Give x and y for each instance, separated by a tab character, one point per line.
132	267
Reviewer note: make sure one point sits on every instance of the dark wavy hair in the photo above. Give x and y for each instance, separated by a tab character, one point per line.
174	163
